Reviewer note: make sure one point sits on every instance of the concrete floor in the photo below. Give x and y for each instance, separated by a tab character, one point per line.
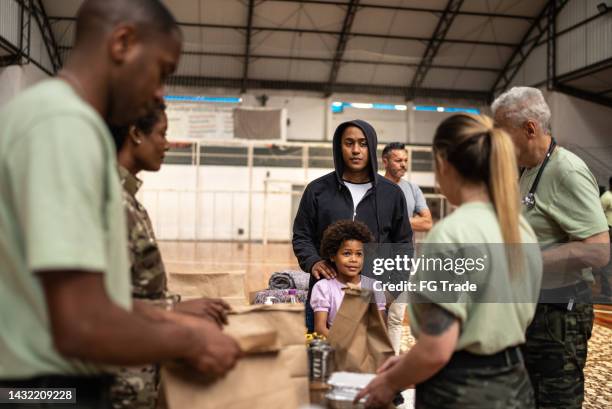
250	267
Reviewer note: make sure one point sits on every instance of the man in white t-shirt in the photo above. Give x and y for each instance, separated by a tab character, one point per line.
395	160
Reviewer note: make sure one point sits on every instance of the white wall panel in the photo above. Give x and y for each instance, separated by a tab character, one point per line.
535	66
425	125
38	51
219	210
15	78
533	70
390	125
571	51
584	127
9	21
10	79
573	12
587	44
306	116
599	39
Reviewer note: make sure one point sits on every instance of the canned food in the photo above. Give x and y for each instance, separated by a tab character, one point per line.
321	360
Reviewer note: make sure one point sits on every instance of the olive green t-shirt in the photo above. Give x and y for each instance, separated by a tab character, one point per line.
606	204
60	209
567	208
497	316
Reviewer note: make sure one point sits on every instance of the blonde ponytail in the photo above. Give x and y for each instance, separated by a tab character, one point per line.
504	191
481	152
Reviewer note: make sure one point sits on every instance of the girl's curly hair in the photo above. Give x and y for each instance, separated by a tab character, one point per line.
340	231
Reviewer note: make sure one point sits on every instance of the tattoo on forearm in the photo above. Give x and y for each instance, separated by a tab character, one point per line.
432	320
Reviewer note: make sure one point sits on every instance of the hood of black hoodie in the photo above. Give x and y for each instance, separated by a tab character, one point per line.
372	139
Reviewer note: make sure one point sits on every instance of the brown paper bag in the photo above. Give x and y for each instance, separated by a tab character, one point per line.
359	335
257	381
302	387
260	380
287	319
295	358
212	285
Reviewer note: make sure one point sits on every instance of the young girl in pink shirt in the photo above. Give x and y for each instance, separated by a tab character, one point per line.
342	247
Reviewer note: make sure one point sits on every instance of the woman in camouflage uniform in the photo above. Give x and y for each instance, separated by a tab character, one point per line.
142	146
467	353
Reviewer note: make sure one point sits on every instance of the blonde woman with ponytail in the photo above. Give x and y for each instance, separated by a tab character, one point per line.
467	352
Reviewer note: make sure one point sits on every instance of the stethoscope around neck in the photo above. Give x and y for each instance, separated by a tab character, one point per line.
530	200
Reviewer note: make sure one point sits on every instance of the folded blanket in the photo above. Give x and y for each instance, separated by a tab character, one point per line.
286	279
281	281
301	279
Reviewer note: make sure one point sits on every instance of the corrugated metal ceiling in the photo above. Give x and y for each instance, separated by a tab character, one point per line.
296	41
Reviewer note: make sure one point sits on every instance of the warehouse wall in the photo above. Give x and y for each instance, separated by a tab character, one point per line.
15	78
10	83
213	202
229	202
310	117
577	47
584	127
585	45
221	208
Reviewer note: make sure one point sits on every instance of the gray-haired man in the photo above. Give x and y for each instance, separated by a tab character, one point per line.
561	202
395	160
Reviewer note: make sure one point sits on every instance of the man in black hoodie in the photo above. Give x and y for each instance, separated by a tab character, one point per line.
354	191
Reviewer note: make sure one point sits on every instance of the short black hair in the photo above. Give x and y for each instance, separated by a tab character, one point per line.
391	147
610	183
144	124
337	233
157	14
97	16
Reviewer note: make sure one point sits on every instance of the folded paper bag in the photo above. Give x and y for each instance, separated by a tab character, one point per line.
295	358
261	379
213	285
257	381
287	319
359	335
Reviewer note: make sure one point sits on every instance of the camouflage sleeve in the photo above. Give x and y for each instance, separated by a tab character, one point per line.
147	268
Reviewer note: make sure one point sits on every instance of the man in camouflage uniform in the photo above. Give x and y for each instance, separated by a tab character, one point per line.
561	202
